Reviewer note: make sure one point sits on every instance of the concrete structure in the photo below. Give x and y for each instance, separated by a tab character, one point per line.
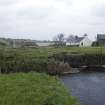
101	37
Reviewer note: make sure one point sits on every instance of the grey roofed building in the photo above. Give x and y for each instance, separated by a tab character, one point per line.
100	37
74	39
78	41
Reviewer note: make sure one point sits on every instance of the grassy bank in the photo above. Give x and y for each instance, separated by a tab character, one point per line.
36	59
43	53
33	89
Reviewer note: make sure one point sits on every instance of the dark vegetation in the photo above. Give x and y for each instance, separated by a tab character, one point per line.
96	43
77	60
49	60
11	62
31	88
57	67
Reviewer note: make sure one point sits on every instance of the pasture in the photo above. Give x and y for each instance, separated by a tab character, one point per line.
33	89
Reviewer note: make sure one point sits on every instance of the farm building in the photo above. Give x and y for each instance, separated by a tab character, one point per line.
100	41
79	41
101	37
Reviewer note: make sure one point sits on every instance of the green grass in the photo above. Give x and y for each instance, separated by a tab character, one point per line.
36	59
43	53
33	89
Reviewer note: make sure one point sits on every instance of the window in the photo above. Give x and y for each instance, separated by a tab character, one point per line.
82	44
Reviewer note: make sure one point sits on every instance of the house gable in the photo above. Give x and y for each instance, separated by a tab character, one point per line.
86	42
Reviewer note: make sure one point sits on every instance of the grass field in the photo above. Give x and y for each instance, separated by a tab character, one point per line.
33	89
36	59
43	53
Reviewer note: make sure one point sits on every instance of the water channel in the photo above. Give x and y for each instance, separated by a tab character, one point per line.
88	88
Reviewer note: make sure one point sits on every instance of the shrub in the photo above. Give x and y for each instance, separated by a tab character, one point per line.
57	67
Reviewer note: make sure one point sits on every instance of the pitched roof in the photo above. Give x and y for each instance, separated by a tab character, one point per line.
75	39
79	39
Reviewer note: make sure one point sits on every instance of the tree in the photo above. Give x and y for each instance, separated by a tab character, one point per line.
85	35
71	39
59	40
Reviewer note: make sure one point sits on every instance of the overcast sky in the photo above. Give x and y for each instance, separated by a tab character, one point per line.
43	19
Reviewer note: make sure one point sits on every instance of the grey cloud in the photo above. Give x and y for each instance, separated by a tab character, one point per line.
45	22
99	10
68	2
7	2
34	14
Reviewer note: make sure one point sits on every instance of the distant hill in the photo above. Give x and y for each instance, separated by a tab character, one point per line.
23	42
4	42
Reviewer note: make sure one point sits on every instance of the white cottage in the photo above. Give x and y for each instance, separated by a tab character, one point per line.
79	41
